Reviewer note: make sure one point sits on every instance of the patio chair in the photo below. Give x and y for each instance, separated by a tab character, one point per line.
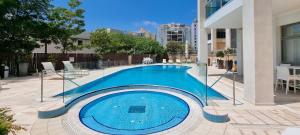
70	69
48	68
285	65
178	61
147	60
164	61
283	74
170	61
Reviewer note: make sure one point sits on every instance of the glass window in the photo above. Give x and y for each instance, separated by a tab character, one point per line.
291	44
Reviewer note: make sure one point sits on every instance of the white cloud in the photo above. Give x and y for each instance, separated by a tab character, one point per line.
150	23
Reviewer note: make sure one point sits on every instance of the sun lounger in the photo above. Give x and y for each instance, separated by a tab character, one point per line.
147	60
70	69
178	61
50	70
170	61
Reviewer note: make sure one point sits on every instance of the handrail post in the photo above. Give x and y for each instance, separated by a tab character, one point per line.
206	66
233	89
63	86
42	85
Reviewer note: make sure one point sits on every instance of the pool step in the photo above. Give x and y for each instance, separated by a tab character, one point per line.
215	114
51	110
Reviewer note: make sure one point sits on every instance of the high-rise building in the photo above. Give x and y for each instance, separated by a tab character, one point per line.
173	32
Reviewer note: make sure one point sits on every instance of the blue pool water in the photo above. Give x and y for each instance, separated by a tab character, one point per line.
135	112
164	75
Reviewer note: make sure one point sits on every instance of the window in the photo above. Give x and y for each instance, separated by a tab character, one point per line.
291	44
80	42
221	33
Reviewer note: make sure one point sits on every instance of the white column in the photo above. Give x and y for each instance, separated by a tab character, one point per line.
258	51
239	50
228	38
202	34
213	40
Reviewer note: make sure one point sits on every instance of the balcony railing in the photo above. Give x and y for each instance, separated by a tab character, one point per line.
213	6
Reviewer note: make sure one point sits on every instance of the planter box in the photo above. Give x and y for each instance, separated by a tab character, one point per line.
23	69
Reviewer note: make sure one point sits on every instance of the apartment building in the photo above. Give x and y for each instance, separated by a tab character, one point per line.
173	32
267	34
143	33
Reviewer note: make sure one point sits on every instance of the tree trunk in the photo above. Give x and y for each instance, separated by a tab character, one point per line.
46	48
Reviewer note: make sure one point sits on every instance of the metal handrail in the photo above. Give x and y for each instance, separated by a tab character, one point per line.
233	84
64	79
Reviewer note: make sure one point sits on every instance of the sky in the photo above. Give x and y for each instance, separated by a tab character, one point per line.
131	15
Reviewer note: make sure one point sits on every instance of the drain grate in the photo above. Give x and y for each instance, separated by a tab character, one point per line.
137	109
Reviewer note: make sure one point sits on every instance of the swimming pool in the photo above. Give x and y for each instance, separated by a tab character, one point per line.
135	112
162	75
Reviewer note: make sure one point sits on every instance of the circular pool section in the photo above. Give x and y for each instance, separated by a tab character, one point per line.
134	112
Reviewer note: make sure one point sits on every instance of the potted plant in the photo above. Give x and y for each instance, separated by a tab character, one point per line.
24	64
220	62
228	63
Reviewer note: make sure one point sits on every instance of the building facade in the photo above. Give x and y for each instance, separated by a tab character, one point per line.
143	33
173	32
267	34
81	39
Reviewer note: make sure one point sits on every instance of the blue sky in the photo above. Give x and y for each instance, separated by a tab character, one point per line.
130	15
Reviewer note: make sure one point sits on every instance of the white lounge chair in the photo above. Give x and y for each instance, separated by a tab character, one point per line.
178	61
164	61
170	61
283	74
147	60
48	68
70	69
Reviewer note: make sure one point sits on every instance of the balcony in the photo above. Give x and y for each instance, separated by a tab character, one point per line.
213	6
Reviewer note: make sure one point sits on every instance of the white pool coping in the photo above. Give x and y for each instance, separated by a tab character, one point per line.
74	126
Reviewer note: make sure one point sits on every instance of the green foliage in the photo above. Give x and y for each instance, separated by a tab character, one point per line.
20	23
114	42
220	54
175	48
67	22
229	51
102	42
6	123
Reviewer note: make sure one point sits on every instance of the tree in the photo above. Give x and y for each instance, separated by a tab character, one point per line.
102	42
175	48
120	43
20	22
70	22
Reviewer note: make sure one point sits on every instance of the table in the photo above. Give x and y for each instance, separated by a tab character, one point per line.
295	68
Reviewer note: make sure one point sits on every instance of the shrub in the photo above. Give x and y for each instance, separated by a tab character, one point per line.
220	54
6	123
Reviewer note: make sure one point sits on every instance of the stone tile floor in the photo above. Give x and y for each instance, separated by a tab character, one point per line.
22	95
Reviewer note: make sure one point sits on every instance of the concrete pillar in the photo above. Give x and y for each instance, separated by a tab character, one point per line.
202	34
213	40
228	38
239	50
258	51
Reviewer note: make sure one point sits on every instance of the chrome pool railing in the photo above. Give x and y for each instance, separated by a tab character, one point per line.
65	79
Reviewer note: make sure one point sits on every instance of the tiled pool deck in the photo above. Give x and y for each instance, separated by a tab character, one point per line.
22	95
